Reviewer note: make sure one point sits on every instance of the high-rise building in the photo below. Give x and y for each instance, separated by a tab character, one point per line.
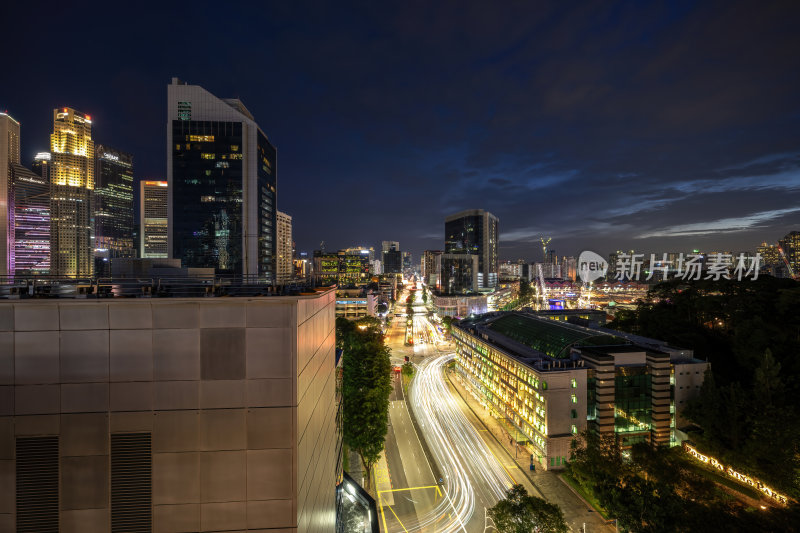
153	219
30	208
9	155
389	245
459	274
363	250
326	268
221	170
790	245
431	267
71	186
475	232
112	209
408	262
770	256
354	268
41	165
285	257
393	262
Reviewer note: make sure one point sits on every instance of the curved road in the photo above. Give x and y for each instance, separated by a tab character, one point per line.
473	478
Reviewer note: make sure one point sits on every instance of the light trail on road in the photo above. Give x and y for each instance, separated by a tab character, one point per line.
461	454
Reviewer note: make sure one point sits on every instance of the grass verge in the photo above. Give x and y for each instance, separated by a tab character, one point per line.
585	494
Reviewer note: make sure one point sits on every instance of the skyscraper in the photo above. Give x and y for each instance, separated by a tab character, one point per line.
41	165
71	186
285	266
30	207
389	245
474	232
153	201
113	202
221	171
790	245
9	155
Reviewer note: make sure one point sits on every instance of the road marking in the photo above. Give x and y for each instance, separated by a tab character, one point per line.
383	515
398	520
409	488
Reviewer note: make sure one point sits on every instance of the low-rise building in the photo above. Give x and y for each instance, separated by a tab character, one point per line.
549	379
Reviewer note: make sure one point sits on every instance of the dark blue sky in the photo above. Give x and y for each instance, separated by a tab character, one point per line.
656	126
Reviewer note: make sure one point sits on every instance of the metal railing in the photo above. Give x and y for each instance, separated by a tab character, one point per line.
24	287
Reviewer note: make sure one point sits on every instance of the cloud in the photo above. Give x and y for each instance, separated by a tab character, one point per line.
723	225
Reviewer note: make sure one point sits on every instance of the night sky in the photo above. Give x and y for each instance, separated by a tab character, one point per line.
660	127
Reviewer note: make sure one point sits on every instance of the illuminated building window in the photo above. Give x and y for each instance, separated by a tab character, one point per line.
236	156
201	138
574	429
574	383
574	398
184	111
205	155
223	164
177	146
206	199
234	148
574	413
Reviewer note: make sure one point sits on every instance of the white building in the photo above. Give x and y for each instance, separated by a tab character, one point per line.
285	271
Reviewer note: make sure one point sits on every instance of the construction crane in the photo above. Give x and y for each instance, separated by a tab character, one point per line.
787	262
545	242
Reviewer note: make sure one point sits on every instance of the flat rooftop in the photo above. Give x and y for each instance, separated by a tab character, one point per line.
544	343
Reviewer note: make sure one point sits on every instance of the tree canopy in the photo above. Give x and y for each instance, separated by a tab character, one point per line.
749	405
366	385
519	512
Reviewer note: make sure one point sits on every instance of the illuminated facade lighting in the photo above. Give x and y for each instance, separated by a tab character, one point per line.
9	155
153	219
548	380
71	185
112	210
285	268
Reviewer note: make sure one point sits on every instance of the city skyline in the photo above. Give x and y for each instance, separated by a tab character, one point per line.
684	140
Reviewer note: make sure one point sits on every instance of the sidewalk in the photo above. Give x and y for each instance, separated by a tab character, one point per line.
549	485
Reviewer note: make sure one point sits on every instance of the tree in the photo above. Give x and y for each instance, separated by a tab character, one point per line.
424	296
408	370
519	512
525	292
366	385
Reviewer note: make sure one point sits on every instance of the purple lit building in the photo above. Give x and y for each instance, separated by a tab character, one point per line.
30	208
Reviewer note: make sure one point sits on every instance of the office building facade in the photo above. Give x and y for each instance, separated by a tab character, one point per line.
169	414
112	208
431	266
9	155
153	219
392	262
459	274
221	170
326	268
30	208
548	380
285	259
72	184
475	232
790	245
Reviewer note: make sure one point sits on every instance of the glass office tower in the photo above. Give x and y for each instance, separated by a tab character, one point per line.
222	185
112	207
475	232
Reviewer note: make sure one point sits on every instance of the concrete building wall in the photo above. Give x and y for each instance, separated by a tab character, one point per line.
237	395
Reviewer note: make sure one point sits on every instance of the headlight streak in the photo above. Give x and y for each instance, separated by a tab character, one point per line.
458	449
